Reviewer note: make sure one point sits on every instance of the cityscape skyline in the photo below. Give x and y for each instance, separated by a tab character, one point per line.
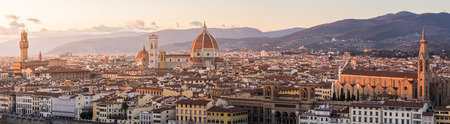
224	62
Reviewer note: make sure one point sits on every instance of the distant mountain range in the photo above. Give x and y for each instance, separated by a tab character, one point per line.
401	30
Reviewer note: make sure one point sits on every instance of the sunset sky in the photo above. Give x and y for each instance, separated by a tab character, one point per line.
152	15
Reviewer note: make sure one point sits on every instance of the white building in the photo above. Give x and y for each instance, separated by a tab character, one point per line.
323	115
64	107
84	102
366	113
403	112
389	112
45	103
162	115
145	118
24	104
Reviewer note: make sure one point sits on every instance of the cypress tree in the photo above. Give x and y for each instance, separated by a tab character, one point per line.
334	96
348	95
357	98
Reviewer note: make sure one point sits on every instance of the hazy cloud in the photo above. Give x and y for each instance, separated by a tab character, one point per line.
16	24
196	23
35	20
154	25
13	17
135	23
103	28
8	31
139	25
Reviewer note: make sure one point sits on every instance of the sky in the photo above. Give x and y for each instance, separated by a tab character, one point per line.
49	17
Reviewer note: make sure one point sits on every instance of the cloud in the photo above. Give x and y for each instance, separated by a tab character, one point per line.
139	25
103	28
154	25
135	23
35	20
196	23
16	24
9	31
13	17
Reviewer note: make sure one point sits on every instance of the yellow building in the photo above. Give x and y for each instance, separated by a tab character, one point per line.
289	90
107	110
227	115
442	115
323	91
188	110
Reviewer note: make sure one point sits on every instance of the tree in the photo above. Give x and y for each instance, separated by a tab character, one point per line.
348	95
357	98
86	115
353	97
334	96
124	106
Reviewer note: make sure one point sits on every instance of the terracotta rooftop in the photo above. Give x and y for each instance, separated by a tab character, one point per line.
193	102
226	109
414	104
366	104
381	73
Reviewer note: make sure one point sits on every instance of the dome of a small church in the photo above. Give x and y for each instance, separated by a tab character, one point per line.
142	53
204	41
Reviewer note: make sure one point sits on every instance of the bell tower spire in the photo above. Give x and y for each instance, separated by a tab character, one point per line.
423	70
153	51
40	56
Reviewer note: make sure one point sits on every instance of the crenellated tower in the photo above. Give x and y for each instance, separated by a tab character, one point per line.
23	46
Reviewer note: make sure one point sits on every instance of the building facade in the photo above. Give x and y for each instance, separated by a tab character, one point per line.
227	115
188	110
403	85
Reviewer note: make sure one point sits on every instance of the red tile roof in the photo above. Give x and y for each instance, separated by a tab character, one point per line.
414	104
226	109
381	73
193	102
